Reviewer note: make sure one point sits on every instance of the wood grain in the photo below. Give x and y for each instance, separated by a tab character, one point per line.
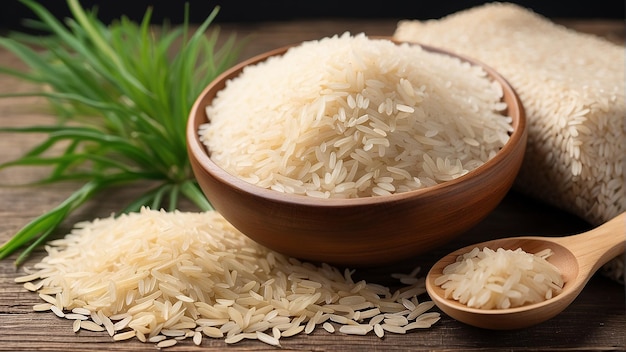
595	321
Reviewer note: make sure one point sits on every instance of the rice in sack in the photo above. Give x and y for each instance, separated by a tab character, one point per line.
572	87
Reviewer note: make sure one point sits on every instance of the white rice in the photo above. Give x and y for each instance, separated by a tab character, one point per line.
500	279
572	87
350	116
163	277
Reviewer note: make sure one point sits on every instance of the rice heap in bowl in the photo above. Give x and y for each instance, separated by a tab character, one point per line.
351	116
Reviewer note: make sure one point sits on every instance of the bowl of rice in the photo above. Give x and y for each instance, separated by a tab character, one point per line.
356	150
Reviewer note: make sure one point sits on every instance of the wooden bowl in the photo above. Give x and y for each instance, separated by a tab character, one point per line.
360	231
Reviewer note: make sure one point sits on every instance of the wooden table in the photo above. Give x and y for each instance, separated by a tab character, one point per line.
595	321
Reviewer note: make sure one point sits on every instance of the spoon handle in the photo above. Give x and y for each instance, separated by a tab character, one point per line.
596	247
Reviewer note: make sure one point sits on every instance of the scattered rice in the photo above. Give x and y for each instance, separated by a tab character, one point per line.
184	275
572	87
349	116
500	279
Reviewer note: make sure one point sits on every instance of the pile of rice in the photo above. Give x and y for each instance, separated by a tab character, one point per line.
163	277
350	116
500	279
572	87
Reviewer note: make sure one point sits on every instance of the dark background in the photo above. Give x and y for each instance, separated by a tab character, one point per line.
12	11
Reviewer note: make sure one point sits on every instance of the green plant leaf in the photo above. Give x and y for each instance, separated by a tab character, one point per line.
121	94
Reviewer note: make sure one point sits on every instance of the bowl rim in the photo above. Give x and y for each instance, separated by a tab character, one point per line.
198	150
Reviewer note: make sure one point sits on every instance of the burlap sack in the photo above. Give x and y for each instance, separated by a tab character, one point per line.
572	87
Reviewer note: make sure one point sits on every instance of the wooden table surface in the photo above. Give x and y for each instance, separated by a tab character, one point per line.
595	321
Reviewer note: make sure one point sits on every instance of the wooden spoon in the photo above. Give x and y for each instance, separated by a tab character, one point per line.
577	256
